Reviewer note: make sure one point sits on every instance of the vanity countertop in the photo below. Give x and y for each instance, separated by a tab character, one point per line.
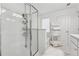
75	36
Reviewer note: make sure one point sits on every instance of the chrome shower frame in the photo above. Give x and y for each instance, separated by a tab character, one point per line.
31	6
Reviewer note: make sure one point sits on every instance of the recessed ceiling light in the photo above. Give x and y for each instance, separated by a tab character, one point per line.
17	15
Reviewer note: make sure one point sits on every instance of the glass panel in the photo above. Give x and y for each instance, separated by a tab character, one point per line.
34	41
13	33
34	32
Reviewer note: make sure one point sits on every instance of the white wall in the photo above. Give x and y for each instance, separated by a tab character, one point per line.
69	13
13	42
54	15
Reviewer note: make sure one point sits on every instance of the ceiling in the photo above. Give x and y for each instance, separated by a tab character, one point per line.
42	7
47	7
53	7
14	7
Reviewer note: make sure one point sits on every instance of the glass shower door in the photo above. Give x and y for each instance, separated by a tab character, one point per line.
19	29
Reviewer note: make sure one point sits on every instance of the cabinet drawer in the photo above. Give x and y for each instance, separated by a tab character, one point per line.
74	40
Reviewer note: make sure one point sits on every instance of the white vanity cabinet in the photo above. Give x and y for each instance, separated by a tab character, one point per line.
74	44
73	49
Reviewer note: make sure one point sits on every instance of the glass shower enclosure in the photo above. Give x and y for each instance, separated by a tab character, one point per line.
19	29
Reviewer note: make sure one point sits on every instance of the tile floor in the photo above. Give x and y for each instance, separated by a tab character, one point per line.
51	51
